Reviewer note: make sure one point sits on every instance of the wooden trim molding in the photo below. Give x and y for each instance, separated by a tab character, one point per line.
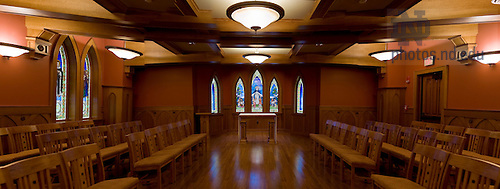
444	89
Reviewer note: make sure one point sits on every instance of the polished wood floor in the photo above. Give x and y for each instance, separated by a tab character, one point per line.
257	164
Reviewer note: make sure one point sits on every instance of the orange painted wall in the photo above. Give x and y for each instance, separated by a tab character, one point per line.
23	81
348	86
163	86
472	87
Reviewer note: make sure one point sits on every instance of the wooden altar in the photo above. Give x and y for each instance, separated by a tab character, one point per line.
270	117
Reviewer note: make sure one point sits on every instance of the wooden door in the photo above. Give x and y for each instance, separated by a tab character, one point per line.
430	97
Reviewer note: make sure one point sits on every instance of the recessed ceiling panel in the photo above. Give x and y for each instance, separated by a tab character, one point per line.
359	5
294	9
253	50
159	6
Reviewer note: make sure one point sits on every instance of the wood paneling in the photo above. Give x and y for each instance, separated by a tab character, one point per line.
356	116
481	119
29	115
117	104
390	103
154	116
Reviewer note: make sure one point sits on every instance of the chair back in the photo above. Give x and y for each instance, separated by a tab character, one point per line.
136	149
369	124
165	139
343	133
335	132
407	135
86	123
52	142
35	172
78	137
454	130
431	165
188	126
436	127
327	129
21	138
134	126
5	180
350	137
115	134
425	137
392	134
494	142
98	135
69	125
181	130
48	128
152	140
361	141
477	140
80	167
450	143
374	147
379	127
418	124
173	133
468	172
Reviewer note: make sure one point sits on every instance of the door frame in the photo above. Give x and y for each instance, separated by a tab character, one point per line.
443	94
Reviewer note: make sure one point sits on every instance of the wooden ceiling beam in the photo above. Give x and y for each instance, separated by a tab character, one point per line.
216	48
341	49
187	7
114	6
170	47
399	6
295	50
322	8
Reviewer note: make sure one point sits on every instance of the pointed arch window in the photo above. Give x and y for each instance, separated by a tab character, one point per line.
257	94
300	96
214	91
86	87
61	84
273	96
240	96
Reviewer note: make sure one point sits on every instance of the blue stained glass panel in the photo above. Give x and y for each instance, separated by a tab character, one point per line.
257	94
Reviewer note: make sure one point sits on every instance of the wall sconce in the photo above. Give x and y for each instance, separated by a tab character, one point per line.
490	57
10	50
124	53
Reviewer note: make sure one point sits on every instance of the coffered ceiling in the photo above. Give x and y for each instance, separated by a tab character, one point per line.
312	31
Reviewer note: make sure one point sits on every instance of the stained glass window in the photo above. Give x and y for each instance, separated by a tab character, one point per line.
273	96
300	96
214	90
257	94
240	96
61	87
86	88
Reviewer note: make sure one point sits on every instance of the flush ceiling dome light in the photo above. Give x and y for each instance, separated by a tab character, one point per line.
124	53
385	54
10	50
491	57
256	58
255	15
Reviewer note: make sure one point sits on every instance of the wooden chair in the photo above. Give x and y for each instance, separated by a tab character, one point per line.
418	124
403	149
368	160
436	127
369	124
115	133
450	143
52	142
476	141
80	168
425	137
78	137
69	125
454	130
393	133
5	180
134	126
407	135
48	128
141	163
379	127
431	165
470	172
22	140
35	172
317	137
86	123
109	151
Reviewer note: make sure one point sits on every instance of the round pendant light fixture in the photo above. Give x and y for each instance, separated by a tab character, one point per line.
124	53
256	58
255	15
385	54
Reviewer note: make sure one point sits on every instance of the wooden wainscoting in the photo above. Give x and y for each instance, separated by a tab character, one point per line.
482	119
356	116
24	115
154	116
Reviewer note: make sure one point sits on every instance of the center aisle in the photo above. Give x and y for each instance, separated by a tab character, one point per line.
257	164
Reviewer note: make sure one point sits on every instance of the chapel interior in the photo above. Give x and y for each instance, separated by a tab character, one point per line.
249	94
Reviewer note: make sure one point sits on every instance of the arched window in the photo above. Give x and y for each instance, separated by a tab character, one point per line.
273	96
300	96
214	91
61	84
240	96
257	94
86	88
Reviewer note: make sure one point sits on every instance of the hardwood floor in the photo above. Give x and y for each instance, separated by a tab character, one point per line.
257	164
